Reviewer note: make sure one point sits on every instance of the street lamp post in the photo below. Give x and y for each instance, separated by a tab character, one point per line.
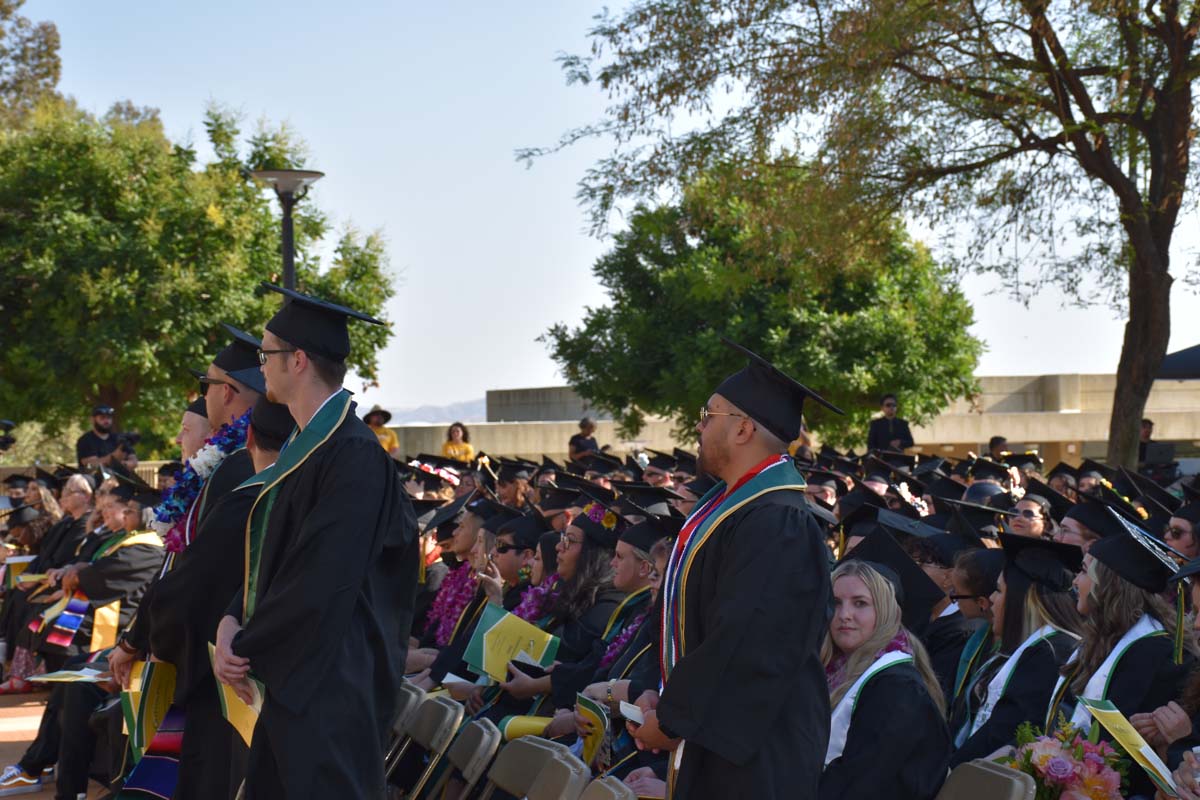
290	185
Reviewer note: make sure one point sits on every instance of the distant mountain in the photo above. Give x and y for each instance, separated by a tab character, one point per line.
467	411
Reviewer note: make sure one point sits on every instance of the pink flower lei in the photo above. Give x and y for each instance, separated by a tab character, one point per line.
536	600
835	670
458	588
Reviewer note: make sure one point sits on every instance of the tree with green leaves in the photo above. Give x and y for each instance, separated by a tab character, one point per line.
29	62
120	256
884	318
1058	134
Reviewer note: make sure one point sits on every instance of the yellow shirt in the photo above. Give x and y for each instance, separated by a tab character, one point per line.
387	439
461	451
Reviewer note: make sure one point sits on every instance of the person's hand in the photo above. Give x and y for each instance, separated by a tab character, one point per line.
121	665
475	700
648	736
230	669
243	690
648	701
415	488
1172	721
458	690
53	597
419	659
492	583
1186	784
70	579
562	724
894	444
422	681
645	783
583	725
53	576
597	691
1145	725
520	685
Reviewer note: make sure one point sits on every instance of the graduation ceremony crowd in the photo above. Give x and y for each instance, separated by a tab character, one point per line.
789	623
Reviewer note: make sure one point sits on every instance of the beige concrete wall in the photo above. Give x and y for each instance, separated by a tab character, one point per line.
531	439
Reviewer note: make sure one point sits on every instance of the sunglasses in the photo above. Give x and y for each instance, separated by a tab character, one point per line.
1029	513
502	548
1171	532
206	381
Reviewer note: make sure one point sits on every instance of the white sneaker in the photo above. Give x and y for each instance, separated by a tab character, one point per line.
13	781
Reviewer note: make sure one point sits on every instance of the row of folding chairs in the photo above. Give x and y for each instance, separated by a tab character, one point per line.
529	767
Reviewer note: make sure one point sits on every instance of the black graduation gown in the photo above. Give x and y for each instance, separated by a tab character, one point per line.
1026	699
749	695
897	746
450	657
1145	678
435	573
584	645
336	586
186	607
57	550
120	575
944	640
233	470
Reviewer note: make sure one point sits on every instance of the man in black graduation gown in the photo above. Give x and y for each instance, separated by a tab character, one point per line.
746	602
322	618
187	606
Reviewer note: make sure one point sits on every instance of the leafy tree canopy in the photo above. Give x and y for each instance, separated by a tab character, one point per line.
718	263
29	63
120	255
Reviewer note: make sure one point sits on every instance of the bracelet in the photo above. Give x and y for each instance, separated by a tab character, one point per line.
608	695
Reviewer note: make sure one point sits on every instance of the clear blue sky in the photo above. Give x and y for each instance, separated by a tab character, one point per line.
413	111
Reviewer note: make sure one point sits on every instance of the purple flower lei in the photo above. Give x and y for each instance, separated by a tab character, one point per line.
536	600
457	590
171	512
618	644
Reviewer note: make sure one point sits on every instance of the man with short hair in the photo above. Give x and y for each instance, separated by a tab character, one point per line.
889	432
583	442
1144	438
745	608
97	445
997	447
323	619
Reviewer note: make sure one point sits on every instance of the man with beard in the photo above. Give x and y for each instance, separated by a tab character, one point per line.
324	612
96	447
744	709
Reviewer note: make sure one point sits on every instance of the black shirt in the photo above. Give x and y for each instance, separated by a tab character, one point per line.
883	431
90	444
582	444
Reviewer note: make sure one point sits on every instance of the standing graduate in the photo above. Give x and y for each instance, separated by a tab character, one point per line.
745	705
187	606
332	575
888	735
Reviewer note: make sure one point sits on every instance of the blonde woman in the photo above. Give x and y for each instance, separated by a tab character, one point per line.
888	736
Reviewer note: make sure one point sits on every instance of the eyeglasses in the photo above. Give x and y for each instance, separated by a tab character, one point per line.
206	381
1029	513
567	541
262	354
957	597
705	414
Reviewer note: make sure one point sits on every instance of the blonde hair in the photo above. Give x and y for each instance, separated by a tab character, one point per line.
887	625
46	501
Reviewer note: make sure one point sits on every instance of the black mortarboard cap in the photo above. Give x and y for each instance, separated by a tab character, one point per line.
1052	564
525	530
272	419
644	498
241	353
1096	470
821	477
1158	517
979	516
1028	460
894	458
1135	556
20	515
16	481
1093	515
1062	468
314	325
452	512
1191	492
700	485
592	490
511	470
645	534
661	460
425	508
900	523
557	498
131	487
198	407
917	593
600	523
768	396
494	514
1188	511
991	562
47	479
685	461
945	489
1135	485
986	469
633	468
949	545
250	377
963	468
929	466
1060	504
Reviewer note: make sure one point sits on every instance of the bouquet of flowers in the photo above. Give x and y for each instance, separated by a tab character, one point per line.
1069	766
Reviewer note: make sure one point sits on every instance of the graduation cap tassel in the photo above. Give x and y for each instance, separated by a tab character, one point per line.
1179	613
841	541
421	569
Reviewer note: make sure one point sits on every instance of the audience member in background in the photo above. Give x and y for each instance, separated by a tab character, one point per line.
97	445
458	444
377	419
889	432
997	447
1144	438
1033	518
583	442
